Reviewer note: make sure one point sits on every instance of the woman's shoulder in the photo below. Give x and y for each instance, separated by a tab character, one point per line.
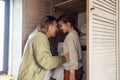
37	35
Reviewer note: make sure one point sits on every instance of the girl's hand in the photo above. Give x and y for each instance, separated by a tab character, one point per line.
72	76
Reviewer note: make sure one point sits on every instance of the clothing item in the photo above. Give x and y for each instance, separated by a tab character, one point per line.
53	46
48	75
78	74
37	58
60	48
83	37
72	46
83	29
58	73
83	40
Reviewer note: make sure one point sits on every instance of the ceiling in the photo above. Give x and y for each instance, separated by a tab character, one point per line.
76	6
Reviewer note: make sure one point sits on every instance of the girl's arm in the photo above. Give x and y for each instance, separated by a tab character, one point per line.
72	47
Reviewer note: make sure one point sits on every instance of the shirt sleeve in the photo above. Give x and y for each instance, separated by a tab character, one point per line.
72	46
43	55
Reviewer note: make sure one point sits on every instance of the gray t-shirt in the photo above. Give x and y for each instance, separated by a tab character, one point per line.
72	46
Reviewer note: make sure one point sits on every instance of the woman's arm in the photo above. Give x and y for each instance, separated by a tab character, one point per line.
43	56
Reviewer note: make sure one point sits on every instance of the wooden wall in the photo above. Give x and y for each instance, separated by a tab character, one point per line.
33	11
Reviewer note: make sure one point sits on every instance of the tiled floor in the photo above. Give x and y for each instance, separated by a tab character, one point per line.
6	77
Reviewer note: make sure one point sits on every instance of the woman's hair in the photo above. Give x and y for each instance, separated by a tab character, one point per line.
69	18
44	24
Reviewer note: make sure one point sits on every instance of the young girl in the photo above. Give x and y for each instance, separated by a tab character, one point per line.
72	69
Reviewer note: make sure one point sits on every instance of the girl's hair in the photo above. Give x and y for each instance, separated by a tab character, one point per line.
44	24
69	18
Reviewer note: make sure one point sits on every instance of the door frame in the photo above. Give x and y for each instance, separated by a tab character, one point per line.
118	24
88	6
87	52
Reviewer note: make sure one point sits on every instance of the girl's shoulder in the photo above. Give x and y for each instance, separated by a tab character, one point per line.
73	34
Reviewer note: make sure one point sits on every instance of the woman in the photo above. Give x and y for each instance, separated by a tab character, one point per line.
72	46
37	58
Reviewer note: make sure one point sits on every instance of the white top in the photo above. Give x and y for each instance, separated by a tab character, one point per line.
72	46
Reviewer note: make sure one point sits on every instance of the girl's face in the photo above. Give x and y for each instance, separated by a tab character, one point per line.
64	26
52	29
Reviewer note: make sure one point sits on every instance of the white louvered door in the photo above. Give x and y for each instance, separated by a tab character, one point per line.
102	40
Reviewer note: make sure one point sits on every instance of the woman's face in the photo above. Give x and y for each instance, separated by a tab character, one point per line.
52	29
64	26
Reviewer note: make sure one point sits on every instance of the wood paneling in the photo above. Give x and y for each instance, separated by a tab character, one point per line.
76	6
33	12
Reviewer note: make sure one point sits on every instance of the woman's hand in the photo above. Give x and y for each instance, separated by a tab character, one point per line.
72	76
67	57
